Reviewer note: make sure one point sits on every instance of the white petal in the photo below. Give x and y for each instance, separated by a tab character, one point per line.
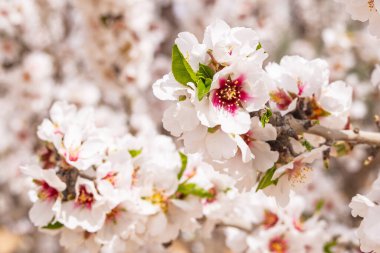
238	123
41	213
267	133
360	205
167	88
157	224
220	146
374	23
244	148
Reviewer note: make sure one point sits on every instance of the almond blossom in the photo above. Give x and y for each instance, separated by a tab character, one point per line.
246	134
363	11
367	208
47	198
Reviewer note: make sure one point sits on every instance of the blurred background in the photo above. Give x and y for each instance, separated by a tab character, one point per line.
107	53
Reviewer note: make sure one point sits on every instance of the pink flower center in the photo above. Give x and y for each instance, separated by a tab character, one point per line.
248	138
270	219
281	98
74	155
278	245
46	192
230	94
85	199
301	87
111	178
114	214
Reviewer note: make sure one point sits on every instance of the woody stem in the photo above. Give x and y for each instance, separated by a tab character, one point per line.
352	136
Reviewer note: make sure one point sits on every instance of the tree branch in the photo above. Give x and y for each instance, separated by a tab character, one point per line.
352	136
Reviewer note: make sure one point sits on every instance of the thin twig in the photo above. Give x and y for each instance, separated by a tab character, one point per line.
351	136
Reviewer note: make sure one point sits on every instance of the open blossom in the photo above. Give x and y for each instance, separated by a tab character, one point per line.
293	78
277	229
73	134
367	207
80	150
237	87
293	175
253	145
47	195
237	171
88	210
235	91
363	11
230	44
336	99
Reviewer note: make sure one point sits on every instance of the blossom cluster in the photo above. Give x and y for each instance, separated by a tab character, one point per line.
223	100
100	189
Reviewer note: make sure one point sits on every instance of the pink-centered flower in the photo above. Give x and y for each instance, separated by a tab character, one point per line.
235	91
85	199
278	245
46	196
45	191
230	95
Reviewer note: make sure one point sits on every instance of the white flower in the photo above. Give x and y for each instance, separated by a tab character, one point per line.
167	88
180	117
122	221
235	91
88	210
61	115
360	205
79	241
363	11
46	197
295	77
80	150
229	45
367	207
114	179
369	231
194	52
253	145
293	175
214	143
336	99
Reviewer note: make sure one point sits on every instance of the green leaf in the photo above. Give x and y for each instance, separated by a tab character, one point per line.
341	148
259	46
134	152
183	164
327	248
307	145
51	225
182	71
266	180
266	117
203	88
320	204
205	71
212	130
192	189
205	75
